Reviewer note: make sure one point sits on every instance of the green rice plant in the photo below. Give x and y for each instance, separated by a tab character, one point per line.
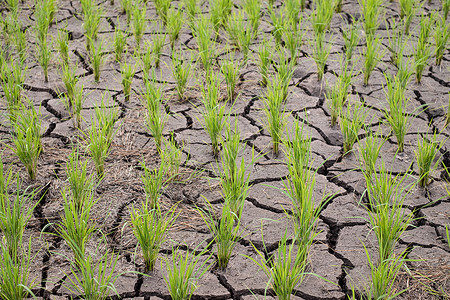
337	95
203	33
162	7
127	70
386	193
97	59
225	231
91	24
171	157
155	117
184	272
146	58
27	138
15	212
86	6
372	55
13	6
368	152
395	115
338	6
275	115
240	33
214	113
70	80
441	38
230	69
62	45
12	78
425	153
408	9
351	122
320	52
74	105
253	10
219	13
181	70
139	22
397	42
107	117
42	21
234	173
119	43
191	9
422	51
321	16
445	8
371	11
126	7
51	8
292	40
405	72
286	268
278	20
285	70
264	61
150	227
76	227
44	55
19	39
292	9
15	273
158	44
93	278
81	183
154	184
175	21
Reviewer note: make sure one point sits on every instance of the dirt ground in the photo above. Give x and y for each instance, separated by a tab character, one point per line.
337	254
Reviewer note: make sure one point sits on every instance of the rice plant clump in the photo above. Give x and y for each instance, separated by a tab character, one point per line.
230	70
154	183
338	94
181	70
321	51
422	51
203	34
372	56
441	38
351	122
127	70
426	152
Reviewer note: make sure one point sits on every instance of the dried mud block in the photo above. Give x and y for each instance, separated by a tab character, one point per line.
154	281
260	297
325	151
423	235
246	129
267	171
184	236
429	258
439	214
209	286
270	194
327	266
345	210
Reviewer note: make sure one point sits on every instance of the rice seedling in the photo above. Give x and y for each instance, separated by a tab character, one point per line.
220	11
12	77
286	268
91	24
19	39
174	24
70	80
154	183
146	58
422	51
13	6
27	138
351	122
234	173
264	61
162	7
62	45
395	115
51	7
371	11
337	96
181	70
139	22
408	9
171	157
405	72
206	48
293	38
368	152
320	52
278	25
445	8
253	10
425	153
126	8
184	272
75	227
225	231
127	70
275	115
15	212
150	226
119	43
338	6
321	16
214	112
441	38
44	55
81	183
93	278
292	9
191	9
158	44
155	117
107	117
240	35
397	43
285	70
97	59
372	56
15	273
43	51
230	69
74	105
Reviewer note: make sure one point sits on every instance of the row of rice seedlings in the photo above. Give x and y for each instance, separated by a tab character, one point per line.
43	20
203	33
155	117
422	51
276	117
395	115
371	11
321	16
240	33
92	15
230	69
181	70
174	24
351	122
372	56
214	112
408	9
441	39
253	10
139	22
26	137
